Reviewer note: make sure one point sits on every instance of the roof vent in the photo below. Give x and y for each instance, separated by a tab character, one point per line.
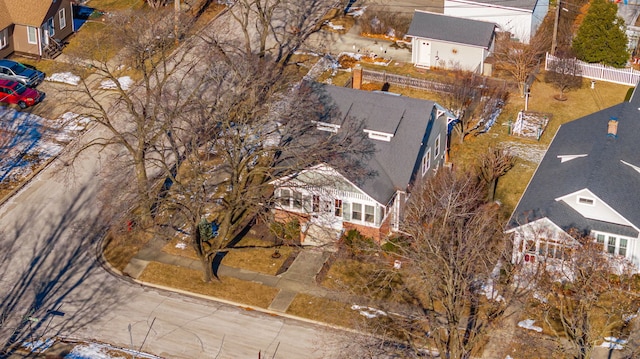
612	128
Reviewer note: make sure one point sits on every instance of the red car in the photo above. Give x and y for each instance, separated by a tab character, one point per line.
19	94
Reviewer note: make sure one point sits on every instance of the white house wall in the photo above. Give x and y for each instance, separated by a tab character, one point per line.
597	209
448	55
518	22
541	229
327	205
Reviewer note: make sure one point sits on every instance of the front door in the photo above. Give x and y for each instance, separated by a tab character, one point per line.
424	53
327	212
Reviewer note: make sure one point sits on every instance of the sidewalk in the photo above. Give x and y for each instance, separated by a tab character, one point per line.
300	277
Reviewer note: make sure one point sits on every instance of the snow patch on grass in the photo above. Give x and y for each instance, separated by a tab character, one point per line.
64	77
125	82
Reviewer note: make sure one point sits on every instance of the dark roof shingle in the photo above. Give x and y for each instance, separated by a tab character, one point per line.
602	172
458	30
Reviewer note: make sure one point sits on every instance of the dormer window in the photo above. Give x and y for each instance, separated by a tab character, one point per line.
586	200
325	126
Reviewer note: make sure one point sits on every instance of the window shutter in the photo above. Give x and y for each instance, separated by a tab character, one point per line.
346	211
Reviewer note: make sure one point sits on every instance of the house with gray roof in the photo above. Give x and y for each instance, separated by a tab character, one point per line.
410	140
587	182
450	42
520	18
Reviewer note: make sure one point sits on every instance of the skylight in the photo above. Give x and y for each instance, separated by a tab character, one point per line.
377	135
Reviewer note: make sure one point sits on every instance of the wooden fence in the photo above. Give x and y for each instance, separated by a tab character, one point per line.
424	84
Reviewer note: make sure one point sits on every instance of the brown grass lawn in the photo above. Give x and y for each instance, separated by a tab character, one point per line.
115	5
255	254
250	253
190	280
324	310
348	274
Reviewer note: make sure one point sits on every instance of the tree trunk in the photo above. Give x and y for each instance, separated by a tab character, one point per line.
142	181
491	190
207	267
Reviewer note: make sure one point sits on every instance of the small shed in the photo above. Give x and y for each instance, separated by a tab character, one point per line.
450	42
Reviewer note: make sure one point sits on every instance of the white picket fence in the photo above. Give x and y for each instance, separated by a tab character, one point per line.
626	76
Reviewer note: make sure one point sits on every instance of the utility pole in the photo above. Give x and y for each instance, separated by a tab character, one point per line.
554	39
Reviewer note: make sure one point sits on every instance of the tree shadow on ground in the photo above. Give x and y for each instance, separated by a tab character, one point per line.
49	273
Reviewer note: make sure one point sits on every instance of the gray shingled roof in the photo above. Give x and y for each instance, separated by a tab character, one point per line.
601	172
458	30
518	4
406	118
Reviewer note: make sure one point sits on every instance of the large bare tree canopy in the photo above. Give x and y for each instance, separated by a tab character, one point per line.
271	28
216	122
455	280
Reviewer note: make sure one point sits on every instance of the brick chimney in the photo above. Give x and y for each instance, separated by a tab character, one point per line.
356	78
612	127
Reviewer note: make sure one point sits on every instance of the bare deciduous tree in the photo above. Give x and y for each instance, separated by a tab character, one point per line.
472	99
277	28
256	127
565	74
518	59
137	119
494	163
455	275
586	295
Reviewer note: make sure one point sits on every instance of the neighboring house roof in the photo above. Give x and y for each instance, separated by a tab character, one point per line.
407	119
5	19
528	5
23	12
610	171
451	29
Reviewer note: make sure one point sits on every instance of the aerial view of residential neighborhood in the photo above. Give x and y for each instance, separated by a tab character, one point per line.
317	179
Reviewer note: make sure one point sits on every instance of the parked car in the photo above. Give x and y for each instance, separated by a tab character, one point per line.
16	71
18	94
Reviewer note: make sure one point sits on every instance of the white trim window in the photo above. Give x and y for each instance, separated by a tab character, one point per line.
4	38
612	244
436	147
337	208
62	17
32	34
426	162
369	213
356	211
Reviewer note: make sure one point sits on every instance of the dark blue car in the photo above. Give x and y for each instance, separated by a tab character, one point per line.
15	71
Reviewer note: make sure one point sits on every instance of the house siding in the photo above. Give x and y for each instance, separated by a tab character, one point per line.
62	33
448	55
522	24
21	41
8	50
